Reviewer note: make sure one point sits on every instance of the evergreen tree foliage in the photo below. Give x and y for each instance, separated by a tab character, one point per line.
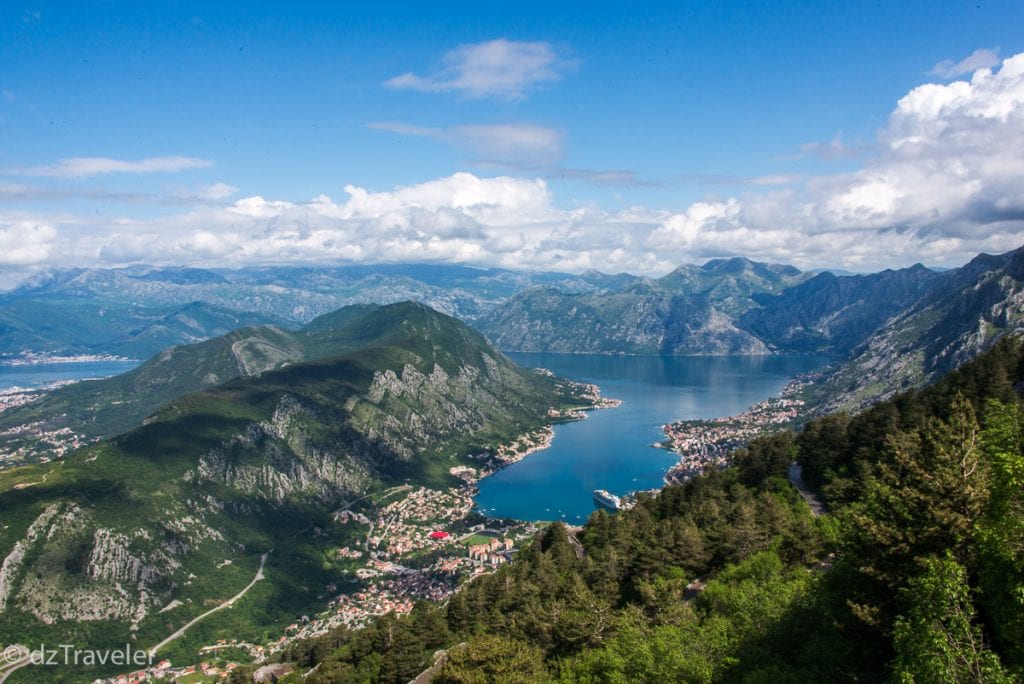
915	575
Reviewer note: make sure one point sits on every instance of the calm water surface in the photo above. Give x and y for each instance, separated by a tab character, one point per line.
46	373
611	448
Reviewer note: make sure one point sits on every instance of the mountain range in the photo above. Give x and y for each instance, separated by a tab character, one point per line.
725	306
141	310
887	331
132	537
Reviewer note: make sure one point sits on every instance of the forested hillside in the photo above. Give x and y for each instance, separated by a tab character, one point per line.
134	537
915	575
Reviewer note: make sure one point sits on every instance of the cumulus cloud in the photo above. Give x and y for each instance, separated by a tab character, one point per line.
979	59
942	184
79	167
499	68
24	243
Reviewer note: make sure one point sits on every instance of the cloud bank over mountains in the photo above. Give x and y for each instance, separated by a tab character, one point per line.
943	182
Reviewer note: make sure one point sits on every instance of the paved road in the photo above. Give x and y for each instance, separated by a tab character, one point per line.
9	665
576	545
796	477
227	604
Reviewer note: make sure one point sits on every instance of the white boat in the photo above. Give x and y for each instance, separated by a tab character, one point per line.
607	500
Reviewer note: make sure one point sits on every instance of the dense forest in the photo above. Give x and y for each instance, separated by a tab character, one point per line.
916	573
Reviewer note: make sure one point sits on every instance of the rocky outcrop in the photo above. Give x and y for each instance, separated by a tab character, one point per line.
67	568
962	316
9	571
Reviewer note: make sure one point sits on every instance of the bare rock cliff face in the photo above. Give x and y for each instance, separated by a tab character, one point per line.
66	568
978	305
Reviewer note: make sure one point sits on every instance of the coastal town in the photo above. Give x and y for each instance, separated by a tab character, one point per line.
39	441
416	544
27	358
409	543
36	441
703	444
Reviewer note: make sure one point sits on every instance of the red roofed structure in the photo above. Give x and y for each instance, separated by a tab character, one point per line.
439	534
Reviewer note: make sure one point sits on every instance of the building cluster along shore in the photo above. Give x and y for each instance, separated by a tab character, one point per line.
36	441
41	359
703	444
411	543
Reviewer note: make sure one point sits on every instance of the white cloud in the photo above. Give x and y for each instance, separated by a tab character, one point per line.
504	145
77	167
217	191
25	243
979	59
942	184
499	68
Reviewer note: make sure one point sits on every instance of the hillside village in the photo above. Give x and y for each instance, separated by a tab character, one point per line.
703	444
416	544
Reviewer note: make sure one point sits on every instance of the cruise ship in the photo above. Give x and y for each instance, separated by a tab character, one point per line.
607	500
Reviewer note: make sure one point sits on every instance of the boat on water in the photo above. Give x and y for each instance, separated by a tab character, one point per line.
606	499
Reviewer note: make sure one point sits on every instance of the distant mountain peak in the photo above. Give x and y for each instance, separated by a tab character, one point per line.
728	264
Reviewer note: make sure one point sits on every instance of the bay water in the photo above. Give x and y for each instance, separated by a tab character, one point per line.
30	376
612	449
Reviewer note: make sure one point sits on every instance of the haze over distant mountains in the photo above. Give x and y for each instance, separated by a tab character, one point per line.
933	319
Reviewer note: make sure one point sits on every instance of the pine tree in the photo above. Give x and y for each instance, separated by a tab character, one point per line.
1002	531
937	641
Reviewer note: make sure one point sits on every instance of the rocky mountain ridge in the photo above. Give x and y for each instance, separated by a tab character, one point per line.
129	537
964	313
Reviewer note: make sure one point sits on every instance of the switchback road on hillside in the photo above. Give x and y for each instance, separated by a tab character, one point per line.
11	661
227	604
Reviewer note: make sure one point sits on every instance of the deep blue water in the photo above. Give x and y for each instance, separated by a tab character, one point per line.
44	374
611	448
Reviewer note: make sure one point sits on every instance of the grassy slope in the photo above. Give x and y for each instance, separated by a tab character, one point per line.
138	481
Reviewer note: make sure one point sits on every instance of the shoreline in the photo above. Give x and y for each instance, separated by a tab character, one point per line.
709	443
546	434
48	360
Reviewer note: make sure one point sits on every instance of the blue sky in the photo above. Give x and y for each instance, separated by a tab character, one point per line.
547	135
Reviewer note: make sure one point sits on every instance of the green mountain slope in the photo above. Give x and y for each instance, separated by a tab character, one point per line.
97	546
915	573
967	311
104	408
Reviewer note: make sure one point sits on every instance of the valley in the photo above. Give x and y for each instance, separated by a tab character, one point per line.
357	343
232	446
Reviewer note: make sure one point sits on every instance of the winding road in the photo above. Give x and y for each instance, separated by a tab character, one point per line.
574	540
8	664
227	604
797	480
